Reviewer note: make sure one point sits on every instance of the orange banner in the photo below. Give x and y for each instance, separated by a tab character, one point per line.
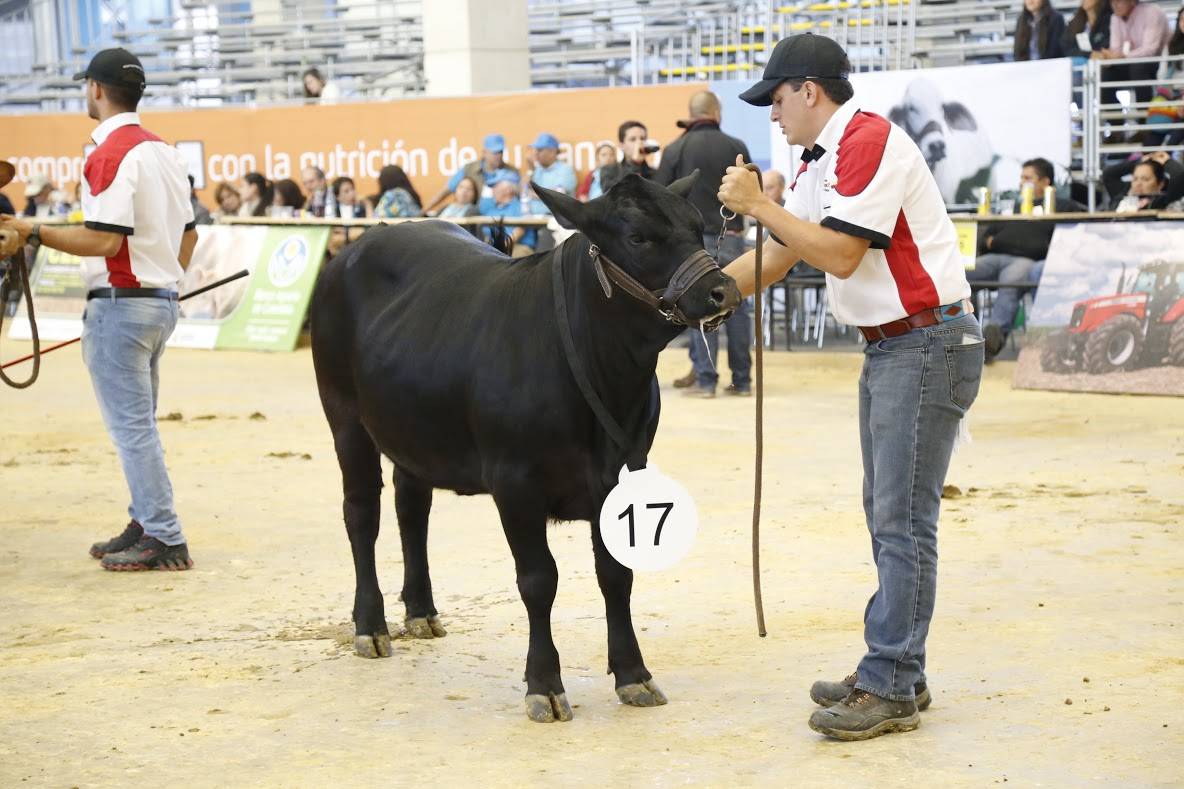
429	138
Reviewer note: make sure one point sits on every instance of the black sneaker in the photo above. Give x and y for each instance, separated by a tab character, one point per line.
864	715
995	340
827	694
150	553
130	536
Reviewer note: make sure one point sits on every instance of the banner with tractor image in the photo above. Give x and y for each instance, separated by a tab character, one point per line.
1109	313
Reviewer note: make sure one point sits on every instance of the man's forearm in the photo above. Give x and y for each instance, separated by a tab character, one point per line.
776	264
188	243
825	249
81	241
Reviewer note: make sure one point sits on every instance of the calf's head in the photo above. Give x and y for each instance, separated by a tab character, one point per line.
649	231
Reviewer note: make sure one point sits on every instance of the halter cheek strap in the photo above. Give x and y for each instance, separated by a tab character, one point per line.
697	265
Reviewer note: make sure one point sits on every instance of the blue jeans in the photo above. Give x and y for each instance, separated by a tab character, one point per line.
122	341
913	392
993	267
738	327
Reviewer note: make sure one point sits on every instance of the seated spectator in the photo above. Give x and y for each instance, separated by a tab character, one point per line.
396	196
774	186
632	136
317	90
317	189
1093	20
346	194
549	172
589	188
228	199
1039	32
1137	30
39	191
256	192
506	203
492	161
1008	252
1157	182
201	215
464	200
1170	94
288	200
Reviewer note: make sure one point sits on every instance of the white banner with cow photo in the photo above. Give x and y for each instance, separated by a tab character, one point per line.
976	125
1109	313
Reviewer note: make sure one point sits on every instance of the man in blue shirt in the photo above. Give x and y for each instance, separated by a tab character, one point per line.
492	161
550	172
504	185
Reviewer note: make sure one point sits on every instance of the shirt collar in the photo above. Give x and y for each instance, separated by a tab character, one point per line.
832	132
104	129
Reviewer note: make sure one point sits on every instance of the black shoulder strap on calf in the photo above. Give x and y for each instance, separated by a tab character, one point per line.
610	424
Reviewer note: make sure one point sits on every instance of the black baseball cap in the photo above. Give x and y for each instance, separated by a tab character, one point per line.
115	67
803	56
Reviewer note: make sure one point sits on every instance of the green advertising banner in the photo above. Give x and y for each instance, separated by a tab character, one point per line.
272	310
262	312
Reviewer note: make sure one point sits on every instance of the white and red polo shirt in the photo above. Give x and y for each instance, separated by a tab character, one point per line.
137	185
867	178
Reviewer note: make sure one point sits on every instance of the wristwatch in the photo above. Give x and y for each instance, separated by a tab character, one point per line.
34	235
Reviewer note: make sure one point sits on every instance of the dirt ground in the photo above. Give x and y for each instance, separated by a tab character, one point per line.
1056	656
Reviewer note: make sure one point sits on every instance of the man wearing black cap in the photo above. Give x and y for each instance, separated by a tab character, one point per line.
865	209
136	241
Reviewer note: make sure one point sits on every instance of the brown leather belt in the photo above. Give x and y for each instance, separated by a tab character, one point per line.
918	320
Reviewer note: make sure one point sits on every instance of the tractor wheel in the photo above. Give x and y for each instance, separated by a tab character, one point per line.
1115	345
1176	343
1053	356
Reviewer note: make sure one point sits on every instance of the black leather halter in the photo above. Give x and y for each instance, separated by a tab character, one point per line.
697	265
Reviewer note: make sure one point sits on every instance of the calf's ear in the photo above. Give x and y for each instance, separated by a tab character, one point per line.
682	187
570	212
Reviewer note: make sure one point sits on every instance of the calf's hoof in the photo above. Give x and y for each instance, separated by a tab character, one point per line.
373	646
547	708
424	627
641	694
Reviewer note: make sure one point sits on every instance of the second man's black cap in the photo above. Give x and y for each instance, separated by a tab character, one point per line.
115	67
798	57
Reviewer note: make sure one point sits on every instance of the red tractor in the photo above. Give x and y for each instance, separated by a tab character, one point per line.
1140	325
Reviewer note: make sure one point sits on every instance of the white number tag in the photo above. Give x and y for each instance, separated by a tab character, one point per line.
648	521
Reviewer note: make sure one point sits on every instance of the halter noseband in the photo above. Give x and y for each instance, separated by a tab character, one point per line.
697	265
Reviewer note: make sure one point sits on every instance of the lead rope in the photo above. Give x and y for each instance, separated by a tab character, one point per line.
760	409
20	272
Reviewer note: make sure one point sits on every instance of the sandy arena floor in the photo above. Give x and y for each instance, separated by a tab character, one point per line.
1056	656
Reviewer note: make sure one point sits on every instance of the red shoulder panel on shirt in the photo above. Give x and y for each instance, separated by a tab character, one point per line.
103	162
860	152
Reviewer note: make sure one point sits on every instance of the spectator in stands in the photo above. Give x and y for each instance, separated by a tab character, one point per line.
317	90
396	196
1167	96
1008	252
201	214
346	194
704	147
632	136
256	194
464	200
589	188
774	183
6	207
228	199
1156	182
317	189
39	191
1093	20
551	173
1137	30
1039	32
504	184
287	198
492	161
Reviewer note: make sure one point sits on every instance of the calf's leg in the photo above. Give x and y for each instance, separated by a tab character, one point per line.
361	480
524	521
635	685
413	503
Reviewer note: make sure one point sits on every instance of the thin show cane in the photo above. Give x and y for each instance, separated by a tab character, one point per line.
760	411
191	294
